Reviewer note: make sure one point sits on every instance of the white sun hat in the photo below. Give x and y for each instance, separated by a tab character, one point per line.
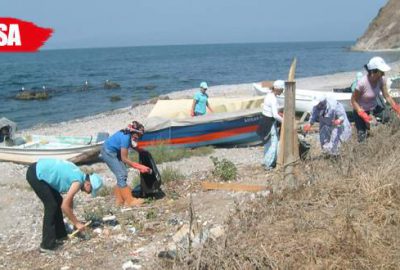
279	84
378	63
317	100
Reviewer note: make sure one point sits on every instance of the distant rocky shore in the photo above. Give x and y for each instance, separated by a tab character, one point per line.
383	32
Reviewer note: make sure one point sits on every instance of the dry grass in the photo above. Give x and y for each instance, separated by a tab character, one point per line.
345	214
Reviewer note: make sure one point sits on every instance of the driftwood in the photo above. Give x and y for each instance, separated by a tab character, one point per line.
233	187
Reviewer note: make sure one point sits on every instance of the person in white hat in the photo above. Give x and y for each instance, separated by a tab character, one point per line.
334	126
365	96
50	177
268	125
200	101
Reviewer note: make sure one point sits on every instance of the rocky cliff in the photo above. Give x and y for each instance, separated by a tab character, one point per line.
383	32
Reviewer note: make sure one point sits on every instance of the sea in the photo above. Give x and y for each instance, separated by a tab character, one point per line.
75	78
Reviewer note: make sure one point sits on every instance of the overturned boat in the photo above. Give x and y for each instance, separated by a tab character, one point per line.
234	122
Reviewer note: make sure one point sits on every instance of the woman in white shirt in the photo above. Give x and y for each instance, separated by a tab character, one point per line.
268	125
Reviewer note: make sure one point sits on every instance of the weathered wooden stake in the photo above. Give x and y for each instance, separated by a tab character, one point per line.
289	151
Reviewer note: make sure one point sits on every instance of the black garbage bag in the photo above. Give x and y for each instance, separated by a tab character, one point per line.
150	183
304	148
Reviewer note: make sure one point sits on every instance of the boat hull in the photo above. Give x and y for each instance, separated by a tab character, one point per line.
75	149
304	98
218	130
76	154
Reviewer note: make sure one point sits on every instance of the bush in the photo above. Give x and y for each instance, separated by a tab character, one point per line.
170	174
224	169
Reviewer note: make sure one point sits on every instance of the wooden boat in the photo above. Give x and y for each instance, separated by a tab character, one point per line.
28	149
233	123
304	97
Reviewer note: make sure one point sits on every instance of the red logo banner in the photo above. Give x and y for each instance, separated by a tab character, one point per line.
22	36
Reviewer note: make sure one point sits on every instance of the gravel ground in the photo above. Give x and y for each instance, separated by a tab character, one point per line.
21	210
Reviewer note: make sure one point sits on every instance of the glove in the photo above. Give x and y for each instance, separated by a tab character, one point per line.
337	122
141	168
396	107
307	127
364	116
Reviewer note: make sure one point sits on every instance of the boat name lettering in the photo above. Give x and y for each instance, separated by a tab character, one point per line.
251	119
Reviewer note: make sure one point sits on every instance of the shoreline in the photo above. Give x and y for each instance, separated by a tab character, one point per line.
111	121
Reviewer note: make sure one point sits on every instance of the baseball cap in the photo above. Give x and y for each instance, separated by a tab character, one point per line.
204	85
378	63
96	182
279	84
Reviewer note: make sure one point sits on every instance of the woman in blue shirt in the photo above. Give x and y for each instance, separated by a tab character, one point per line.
115	155
50	177
200	101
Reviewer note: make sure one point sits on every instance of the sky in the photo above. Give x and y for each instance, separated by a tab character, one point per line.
121	23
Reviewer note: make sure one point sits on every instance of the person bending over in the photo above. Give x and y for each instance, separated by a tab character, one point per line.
365	96
50	177
334	126
115	154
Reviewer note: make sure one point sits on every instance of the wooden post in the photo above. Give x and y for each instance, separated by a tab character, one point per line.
289	151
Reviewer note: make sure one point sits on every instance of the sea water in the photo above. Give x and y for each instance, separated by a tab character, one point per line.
149	71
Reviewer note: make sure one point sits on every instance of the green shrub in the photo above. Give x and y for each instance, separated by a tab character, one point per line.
95	213
169	174
151	214
224	169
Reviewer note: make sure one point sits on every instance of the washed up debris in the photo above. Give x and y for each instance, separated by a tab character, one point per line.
117	228
130	265
174	222
98	231
168	254
110	220
132	230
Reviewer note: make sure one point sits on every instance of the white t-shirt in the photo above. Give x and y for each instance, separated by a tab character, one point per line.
270	107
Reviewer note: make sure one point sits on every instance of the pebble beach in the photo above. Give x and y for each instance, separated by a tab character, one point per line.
13	175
